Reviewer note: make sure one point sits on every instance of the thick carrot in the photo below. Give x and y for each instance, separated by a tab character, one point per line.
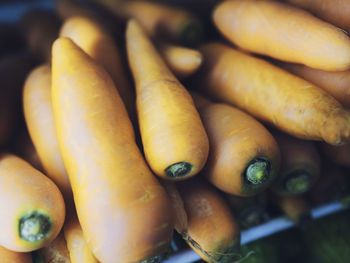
124	212
174	140
338	154
40	29
212	230
56	251
99	44
35	209
244	157
300	165
273	95
78	249
283	32
38	113
8	256
182	61
335	83
335	12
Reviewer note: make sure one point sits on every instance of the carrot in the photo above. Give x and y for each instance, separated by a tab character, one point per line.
174	140
300	165
283	32
160	20
8	256
336	84
99	44
39	29
40	121
273	95
339	155
182	61
212	230
122	208
78	250
35	208
244	157
56	251
335	12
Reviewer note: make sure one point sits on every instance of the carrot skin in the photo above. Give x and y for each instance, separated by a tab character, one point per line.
122	208
8	256
273	95
174	140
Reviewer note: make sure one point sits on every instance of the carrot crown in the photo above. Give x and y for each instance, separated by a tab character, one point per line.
180	169
297	181
258	171
34	226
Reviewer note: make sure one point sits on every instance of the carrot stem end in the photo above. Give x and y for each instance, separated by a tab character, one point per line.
298	181
180	169
258	171
34	226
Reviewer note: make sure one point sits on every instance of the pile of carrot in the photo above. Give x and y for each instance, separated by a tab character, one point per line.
128	120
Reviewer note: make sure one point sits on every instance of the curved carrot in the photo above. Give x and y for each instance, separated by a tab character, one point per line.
300	165
336	12
273	95
335	83
122	208
212	230
182	61
283	32
40	29
8	256
38	113
338	154
99	45
35	209
244	157
174	140
56	251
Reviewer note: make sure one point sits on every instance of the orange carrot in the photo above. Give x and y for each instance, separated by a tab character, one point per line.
300	166
273	95
338	154
40	29
56	251
335	83
99	45
35	209
182	61
122	208
283	32
174	140
244	157
39	118
212	230
8	256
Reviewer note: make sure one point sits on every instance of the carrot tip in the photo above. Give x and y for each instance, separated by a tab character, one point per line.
34	226
258	171
298	181
180	169
190	32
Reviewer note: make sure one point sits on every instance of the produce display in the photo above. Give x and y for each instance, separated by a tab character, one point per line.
131	130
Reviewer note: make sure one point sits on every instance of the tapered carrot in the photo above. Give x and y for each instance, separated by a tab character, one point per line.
78	249
338	154
35	209
212	230
124	212
335	83
40	29
300	165
273	95
335	12
56	251
174	140
8	256
99	44
38	113
283	32
244	157
182	61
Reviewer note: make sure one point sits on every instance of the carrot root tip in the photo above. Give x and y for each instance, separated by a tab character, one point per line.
34	226
180	169
298	181
190	32
258	171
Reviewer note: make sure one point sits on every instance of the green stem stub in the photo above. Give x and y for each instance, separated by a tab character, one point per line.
257	171
34	226
298	181
180	169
